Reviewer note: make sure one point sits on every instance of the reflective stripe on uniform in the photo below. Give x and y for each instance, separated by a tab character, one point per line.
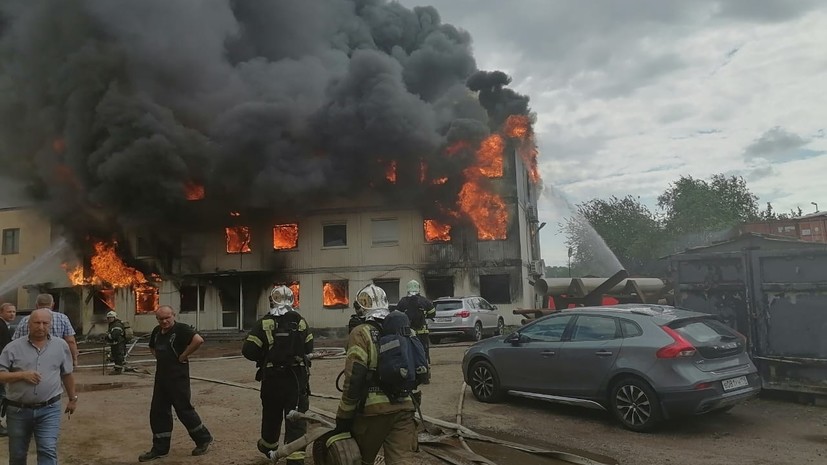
255	340
162	435
268	325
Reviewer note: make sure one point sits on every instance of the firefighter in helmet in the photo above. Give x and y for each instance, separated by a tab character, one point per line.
279	343
364	410
116	338
419	309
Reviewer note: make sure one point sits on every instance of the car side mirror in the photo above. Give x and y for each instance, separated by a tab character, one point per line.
517	338
493	307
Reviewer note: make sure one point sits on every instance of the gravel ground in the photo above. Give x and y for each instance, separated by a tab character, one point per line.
111	425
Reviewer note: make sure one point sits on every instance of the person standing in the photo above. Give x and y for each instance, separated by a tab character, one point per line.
61	325
365	411
36	369
116	337
7	313
279	343
172	343
418	309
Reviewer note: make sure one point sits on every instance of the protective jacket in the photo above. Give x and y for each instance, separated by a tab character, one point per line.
418	309
116	333
361	393
262	337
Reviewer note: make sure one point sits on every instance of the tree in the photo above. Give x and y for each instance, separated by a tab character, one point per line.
694	206
607	235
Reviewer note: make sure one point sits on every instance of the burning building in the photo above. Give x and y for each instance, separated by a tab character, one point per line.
323	156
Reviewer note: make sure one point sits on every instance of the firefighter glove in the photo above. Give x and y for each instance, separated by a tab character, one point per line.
343	425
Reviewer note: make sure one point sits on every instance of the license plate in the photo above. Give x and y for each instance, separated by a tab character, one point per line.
735	383
443	320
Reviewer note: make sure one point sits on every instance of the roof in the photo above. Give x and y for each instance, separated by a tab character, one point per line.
811	215
756	240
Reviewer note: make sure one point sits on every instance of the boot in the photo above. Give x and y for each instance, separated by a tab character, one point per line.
151	455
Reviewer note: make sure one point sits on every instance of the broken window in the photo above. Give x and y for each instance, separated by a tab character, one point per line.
104	301
334	294
334	235
436	231
190	296
439	286
285	236
238	239
496	288
147	299
143	247
391	288
385	231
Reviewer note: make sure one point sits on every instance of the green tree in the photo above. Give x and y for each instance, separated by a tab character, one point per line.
693	206
606	232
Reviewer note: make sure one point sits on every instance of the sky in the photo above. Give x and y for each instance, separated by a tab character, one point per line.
630	95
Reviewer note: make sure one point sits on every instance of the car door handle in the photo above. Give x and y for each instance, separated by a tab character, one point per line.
548	353
603	353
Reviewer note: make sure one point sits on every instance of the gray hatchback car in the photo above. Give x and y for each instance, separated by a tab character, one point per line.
643	363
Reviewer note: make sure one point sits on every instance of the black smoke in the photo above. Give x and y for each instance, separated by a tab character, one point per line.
108	108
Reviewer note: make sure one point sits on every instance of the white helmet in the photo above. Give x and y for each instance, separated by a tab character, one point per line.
111	314
413	287
281	300
374	302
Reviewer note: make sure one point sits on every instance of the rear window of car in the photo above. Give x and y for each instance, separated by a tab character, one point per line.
704	331
448	305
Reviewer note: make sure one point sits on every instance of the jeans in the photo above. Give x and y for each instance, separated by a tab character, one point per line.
43	423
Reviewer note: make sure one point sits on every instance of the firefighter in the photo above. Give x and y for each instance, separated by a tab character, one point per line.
116	338
364	410
279	343
418	309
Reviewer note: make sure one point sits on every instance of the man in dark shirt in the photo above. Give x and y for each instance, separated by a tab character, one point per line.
7	313
172	343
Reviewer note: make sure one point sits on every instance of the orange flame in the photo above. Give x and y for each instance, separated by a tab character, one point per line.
107	296
490	156
457	147
390	172
334	294
440	181
238	239
295	288
285	236
423	170
519	127
486	210
236	214
436	231
193	190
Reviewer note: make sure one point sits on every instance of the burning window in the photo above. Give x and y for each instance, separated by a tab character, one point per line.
390	172
285	236
334	235
495	288
238	239
385	231
490	156
147	299
294	286
436	231
486	210
104	301
334	294
193	191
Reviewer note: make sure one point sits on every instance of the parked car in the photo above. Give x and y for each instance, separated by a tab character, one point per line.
471	317
643	363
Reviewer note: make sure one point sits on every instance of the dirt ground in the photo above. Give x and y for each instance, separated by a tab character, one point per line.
111	425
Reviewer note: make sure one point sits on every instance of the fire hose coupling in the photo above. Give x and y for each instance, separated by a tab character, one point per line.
294	415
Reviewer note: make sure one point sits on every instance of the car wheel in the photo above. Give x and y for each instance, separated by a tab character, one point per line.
485	384
500	327
635	404
477	334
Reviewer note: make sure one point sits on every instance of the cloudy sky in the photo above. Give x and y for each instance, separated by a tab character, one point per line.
632	94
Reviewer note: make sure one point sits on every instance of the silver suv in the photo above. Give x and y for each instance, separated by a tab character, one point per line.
642	363
472	317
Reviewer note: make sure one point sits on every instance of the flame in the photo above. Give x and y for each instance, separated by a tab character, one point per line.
238	239
295	288
193	190
440	181
486	210
285	236
236	214
490	156
519	127
147	298
107	296
423	170
334	294
390	172
457	147
436	231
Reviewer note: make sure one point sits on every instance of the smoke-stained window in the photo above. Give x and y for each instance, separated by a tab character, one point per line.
238	239
391	288
285	236
334	235
439	286
496	288
190	296
334	294
385	231
11	241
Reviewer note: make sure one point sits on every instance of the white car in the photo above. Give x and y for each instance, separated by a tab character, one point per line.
471	317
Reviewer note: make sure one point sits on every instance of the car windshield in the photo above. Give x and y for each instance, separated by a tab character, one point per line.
704	331
449	305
